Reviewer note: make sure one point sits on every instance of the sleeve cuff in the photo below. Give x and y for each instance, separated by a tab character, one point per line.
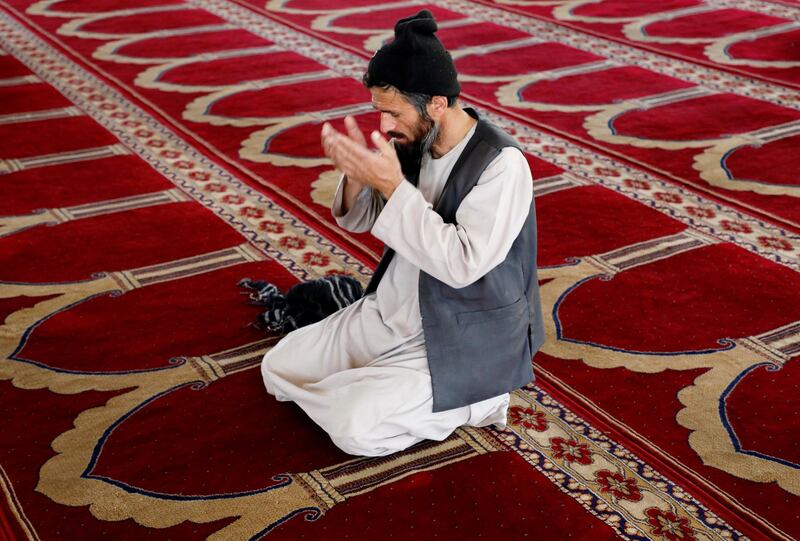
392	212
336	207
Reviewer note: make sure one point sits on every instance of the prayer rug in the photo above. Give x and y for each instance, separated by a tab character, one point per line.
154	153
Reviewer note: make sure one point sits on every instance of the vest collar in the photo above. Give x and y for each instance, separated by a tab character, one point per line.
454	173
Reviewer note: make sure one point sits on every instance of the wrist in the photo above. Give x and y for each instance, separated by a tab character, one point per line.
352	184
391	186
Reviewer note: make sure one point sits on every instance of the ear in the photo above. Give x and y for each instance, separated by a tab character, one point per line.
437	107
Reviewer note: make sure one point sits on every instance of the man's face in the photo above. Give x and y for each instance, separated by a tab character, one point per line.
400	120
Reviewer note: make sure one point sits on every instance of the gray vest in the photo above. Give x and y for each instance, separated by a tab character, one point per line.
480	339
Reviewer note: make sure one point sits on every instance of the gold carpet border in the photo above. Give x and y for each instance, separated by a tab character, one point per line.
717	79
610	482
66	478
709	438
684	205
270	228
7	490
635	26
707	162
34	377
754	235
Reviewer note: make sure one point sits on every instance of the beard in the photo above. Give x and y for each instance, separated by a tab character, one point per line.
410	154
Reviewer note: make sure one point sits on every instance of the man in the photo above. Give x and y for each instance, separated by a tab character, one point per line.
450	321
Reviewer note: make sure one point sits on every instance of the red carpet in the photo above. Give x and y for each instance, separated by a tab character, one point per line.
154	153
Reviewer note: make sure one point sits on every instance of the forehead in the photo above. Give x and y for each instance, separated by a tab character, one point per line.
390	100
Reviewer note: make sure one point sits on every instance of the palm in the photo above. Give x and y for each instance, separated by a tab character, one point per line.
379	168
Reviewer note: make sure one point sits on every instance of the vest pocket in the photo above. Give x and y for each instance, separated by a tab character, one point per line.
514	310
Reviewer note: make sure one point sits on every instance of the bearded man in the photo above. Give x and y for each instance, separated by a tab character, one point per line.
451	319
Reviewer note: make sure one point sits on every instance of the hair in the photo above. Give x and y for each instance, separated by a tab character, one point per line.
419	100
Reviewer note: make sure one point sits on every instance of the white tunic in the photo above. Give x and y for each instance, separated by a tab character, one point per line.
362	373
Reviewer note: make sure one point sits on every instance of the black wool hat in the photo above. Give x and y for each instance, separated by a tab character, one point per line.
415	61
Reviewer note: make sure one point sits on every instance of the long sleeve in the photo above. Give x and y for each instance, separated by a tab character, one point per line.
362	215
488	221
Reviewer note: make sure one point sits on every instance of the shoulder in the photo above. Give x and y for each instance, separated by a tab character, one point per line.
509	162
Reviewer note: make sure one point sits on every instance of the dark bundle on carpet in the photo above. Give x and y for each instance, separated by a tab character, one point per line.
304	303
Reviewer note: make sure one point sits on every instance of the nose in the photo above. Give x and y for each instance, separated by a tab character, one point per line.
387	123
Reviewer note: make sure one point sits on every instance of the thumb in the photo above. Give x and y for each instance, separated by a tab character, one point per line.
381	143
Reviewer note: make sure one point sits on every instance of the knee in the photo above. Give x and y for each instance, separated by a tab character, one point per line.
377	441
266	375
275	357
361	446
266	364
270	368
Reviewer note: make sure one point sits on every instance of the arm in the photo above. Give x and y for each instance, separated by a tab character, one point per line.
350	192
488	221
369	176
358	214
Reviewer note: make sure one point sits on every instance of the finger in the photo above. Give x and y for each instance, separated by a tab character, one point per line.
346	144
351	156
329	130
325	139
343	152
330	138
354	131
327	147
329	151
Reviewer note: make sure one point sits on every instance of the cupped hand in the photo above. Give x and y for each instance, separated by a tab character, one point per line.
378	168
